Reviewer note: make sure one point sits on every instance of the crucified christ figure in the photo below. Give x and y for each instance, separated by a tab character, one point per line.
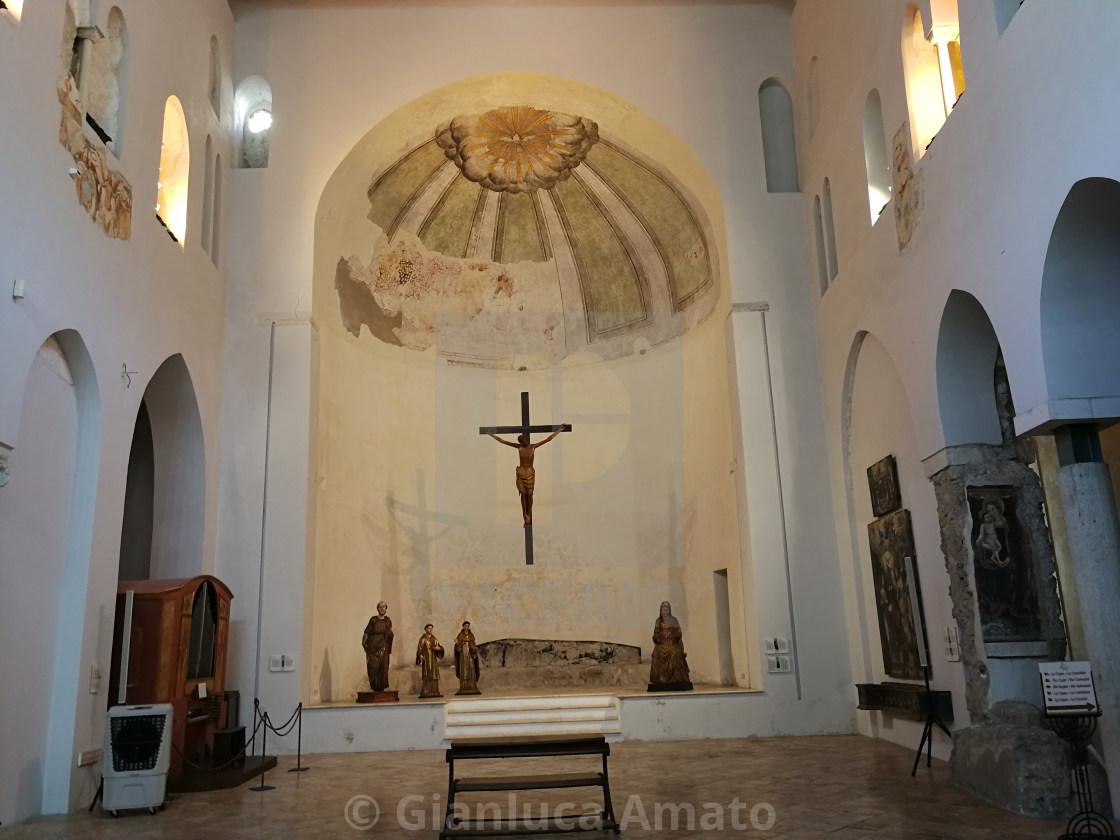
526	475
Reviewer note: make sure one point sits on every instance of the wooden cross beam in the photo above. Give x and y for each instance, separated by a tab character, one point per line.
526	474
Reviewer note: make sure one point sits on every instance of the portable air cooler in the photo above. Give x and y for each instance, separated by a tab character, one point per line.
137	756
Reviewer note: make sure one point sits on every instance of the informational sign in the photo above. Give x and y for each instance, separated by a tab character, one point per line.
1067	688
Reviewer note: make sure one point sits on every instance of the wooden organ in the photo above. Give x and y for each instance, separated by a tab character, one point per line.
177	654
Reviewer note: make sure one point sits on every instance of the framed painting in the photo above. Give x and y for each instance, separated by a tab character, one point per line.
892	540
882	481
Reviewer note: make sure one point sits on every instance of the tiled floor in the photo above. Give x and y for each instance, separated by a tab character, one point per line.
836	787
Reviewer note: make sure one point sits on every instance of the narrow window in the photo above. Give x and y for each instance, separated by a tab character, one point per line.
829	232
215	77
174	168
875	156
208	196
779	148
813	97
253	128
822	257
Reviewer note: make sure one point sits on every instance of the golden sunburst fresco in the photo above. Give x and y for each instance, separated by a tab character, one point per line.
519	137
517	148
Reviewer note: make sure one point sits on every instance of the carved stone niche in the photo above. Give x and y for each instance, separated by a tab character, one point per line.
1002	574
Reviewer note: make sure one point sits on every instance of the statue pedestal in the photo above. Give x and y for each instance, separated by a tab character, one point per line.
677	686
378	697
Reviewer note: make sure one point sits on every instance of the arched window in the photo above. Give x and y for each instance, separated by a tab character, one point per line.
12	10
813	97
829	232
208	196
174	167
215	76
779	147
253	122
933	70
822	257
875	156
1005	10
103	81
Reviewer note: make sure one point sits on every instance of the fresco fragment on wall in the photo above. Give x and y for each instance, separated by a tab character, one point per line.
526	232
907	188
103	192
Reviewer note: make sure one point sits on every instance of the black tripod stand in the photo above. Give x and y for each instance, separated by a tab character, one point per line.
932	720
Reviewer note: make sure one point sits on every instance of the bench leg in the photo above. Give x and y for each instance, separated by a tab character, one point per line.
608	806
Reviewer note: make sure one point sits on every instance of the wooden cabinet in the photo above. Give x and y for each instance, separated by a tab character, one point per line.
177	654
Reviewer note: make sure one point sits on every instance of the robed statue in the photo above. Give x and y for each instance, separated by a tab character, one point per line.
466	661
377	642
668	667
428	653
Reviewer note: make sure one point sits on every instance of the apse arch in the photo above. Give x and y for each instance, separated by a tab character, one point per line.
967	350
1080	296
443	285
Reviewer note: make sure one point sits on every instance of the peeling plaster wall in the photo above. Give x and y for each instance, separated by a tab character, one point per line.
133	302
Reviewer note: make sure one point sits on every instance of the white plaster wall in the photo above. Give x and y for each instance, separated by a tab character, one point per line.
995	177
335	72
34	555
134	303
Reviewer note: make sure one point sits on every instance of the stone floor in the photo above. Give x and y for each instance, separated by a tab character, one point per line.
835	787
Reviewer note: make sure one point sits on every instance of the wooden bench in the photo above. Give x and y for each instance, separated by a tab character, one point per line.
541	746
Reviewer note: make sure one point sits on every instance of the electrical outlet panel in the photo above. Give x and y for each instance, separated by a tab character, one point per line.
776	644
287	663
779	663
275	663
94	678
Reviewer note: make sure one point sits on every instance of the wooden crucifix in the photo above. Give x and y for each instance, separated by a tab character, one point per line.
526	475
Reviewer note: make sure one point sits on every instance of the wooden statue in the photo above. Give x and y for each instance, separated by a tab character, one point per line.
377	642
526	474
428	653
466	661
668	669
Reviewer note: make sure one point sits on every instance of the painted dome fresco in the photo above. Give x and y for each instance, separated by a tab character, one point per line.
525	232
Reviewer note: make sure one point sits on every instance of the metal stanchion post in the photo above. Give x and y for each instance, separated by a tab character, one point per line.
299	768
264	754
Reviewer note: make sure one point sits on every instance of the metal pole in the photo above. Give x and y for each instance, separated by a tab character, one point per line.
299	768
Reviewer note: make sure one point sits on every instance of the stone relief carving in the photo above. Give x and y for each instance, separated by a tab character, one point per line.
103	192
5	473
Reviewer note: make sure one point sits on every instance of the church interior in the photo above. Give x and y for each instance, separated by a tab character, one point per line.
806	311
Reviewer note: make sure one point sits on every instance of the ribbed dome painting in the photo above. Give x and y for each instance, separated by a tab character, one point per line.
521	231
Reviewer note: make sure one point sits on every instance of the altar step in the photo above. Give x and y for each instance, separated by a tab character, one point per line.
585	714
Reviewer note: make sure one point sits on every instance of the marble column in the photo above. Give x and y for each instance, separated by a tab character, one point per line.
1094	541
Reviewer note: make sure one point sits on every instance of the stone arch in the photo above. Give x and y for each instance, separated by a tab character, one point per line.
1080	302
967	348
179	457
876	422
51	495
